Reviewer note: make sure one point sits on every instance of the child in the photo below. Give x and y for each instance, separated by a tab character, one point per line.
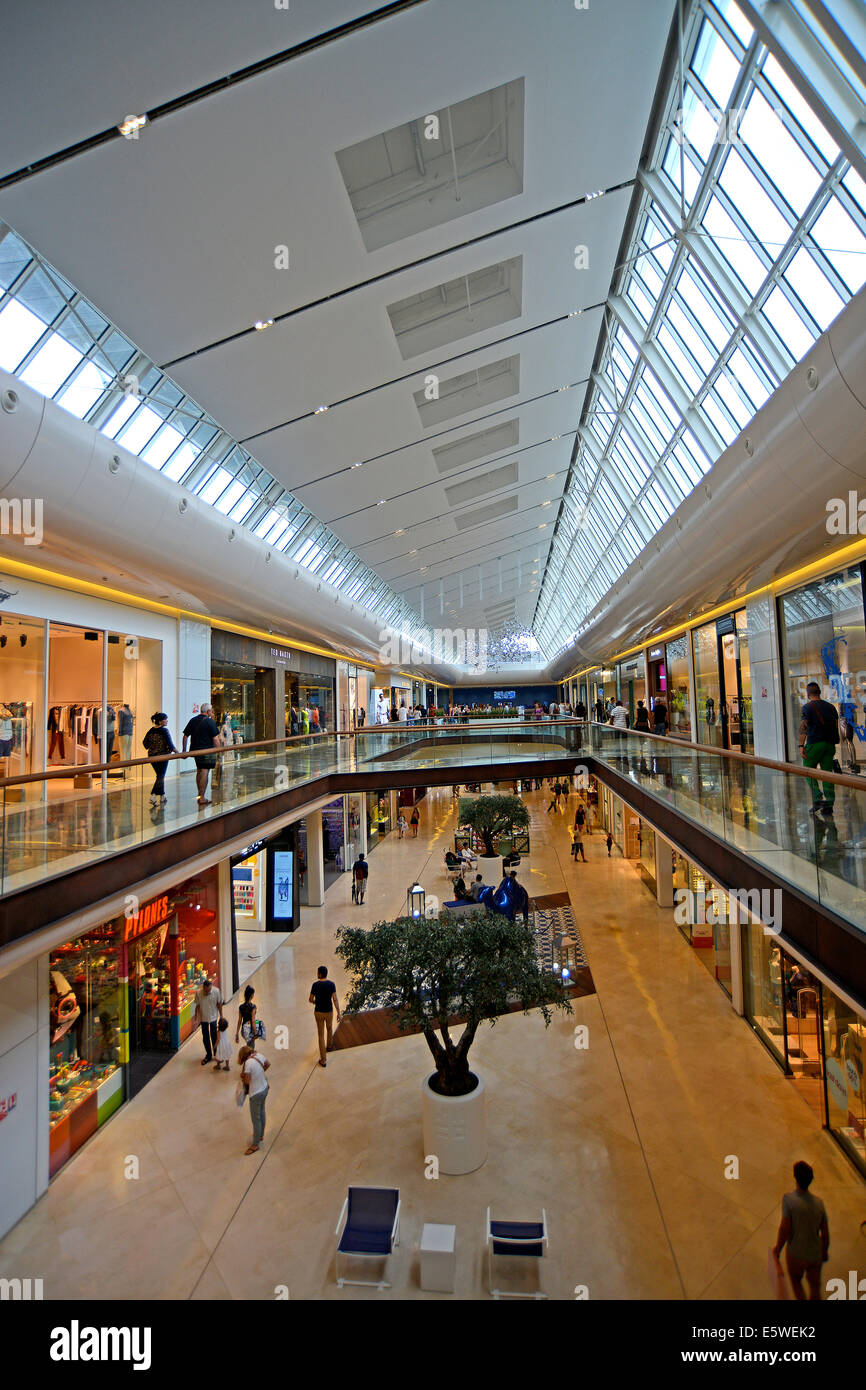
223	1047
401	825
609	843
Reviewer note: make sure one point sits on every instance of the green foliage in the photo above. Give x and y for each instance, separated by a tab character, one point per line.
492	816
433	973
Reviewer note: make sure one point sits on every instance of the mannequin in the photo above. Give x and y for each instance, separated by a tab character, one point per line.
5	734
125	724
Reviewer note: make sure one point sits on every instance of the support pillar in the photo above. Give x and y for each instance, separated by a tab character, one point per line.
315	860
664	873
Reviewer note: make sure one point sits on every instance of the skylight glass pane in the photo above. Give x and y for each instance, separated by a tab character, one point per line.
135	435
792	331
182	461
778	153
162	447
245	505
725	427
215	485
843	244
736	19
234	490
730	395
14	257
733	247
753	384
315	554
19	330
700	124
640	299
753	204
799	108
813	288
715	64
690	337
118	417
285	539
51	366
706	307
81	395
682	366
266	523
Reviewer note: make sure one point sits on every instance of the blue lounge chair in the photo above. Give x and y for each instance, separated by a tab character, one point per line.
515	1238
369	1228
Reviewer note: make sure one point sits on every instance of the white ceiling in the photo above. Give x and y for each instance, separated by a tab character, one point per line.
174	237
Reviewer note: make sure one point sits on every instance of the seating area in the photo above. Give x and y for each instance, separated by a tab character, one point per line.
369	1229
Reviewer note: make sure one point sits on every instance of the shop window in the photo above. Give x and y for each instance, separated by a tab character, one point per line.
844	1049
707	685
677	698
134	693
824	640
22	717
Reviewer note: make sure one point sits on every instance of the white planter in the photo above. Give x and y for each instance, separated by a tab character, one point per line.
455	1128
491	870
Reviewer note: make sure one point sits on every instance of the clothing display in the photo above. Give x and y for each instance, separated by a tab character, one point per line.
80	722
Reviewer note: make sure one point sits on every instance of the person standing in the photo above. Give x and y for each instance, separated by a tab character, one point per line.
401	825
660	718
201	734
402	713
554	798
577	846
314	719
294	723
805	1231
519	896
415	821
580	710
323	997
609	843
253	1066
208	1012
819	734
641	718
579	817
158	744
360	873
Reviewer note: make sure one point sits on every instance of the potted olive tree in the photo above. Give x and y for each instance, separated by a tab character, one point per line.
490	817
437	975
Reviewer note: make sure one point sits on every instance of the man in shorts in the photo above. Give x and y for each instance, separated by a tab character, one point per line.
805	1231
202	734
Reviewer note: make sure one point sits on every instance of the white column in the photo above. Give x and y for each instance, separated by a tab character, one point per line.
768	693
361	832
224	917
315	860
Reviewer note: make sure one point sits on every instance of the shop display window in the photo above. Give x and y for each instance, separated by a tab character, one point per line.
86	1039
371	808
333	840
22	717
707	685
677	695
134	669
763	986
844	1049
824	640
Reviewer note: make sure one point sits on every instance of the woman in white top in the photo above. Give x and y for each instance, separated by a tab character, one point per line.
402	713
253	1067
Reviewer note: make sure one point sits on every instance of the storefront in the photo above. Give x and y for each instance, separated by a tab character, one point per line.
702	913
632	684
815	1035
353	693
71	695
676	671
378	817
824	639
333	840
122	999
257	685
723	686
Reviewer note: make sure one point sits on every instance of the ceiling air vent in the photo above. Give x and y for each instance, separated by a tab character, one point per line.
495	440
458	308
485	514
472	390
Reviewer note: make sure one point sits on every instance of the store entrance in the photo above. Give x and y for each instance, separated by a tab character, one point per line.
150	1007
803	1033
735	686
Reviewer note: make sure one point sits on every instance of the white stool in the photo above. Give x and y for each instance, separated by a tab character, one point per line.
438	1258
431	906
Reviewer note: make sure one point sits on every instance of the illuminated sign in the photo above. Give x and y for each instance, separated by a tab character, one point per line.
280	654
282	900
504	694
656	653
151	915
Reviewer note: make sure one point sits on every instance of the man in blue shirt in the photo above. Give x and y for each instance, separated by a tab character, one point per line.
819	734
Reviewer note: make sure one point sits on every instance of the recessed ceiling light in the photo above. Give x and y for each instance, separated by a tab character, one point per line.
543	526
381	502
358	465
260	324
413	552
559	388
575	313
424	569
554	437
320	410
550	476
131	125
545	504
401	531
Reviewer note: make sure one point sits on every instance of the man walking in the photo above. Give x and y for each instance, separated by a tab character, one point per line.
360	872
819	734
619	716
202	736
804	1230
323	997
577	843
208	1012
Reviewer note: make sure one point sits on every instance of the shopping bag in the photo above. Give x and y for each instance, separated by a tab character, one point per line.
240	1094
776	1276
260	1030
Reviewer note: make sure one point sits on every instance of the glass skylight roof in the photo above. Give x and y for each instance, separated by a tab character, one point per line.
749	239
60	345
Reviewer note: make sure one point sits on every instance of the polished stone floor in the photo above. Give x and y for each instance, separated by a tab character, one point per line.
625	1143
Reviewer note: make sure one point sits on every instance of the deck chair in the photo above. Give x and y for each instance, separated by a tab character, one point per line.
368	1228
515	1238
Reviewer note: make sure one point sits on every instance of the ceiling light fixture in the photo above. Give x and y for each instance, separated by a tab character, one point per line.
132	125
401	531
575	313
320	410
261	324
413	552
545	504
599	193
424	569
358	465
381	502
550	476
542	526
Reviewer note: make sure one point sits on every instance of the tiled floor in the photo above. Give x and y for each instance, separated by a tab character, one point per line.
625	1142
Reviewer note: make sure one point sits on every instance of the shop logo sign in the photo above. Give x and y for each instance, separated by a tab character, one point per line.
280	654
837	1087
76	1343
852	1076
150	916
8	1105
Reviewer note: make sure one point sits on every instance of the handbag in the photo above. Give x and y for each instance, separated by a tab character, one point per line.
260	1030
240	1094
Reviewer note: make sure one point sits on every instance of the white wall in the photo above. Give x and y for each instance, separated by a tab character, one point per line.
767	697
24	1051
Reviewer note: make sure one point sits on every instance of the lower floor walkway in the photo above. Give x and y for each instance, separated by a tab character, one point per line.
627	1142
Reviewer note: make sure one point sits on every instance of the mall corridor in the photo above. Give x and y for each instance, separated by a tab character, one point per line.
625	1142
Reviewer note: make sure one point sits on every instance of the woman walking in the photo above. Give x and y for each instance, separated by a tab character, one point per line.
415	821
246	1024
253	1067
158	744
